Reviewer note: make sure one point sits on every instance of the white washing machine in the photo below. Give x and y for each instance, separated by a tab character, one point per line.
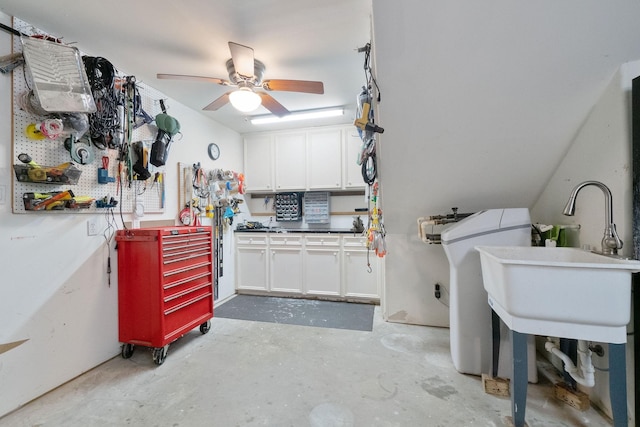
469	311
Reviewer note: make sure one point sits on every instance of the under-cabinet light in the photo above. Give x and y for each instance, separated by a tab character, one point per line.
317	114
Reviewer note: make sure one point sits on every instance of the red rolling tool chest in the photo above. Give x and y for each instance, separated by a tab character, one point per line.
165	286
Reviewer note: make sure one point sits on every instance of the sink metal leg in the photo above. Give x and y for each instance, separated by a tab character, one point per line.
519	378
618	384
495	339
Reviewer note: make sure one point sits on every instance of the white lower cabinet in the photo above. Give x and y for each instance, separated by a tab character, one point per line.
285	263
251	262
314	264
359	281
322	265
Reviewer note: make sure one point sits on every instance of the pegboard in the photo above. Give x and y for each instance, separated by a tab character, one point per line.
202	190
131	196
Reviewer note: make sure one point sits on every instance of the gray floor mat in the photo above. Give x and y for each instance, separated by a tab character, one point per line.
297	311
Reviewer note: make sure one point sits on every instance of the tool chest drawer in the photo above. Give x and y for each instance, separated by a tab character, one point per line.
165	286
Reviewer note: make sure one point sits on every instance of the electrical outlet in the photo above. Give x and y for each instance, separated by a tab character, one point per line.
92	226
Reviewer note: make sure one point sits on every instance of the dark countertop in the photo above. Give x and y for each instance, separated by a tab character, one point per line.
297	230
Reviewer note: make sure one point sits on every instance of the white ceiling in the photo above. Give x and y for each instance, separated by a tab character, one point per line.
300	40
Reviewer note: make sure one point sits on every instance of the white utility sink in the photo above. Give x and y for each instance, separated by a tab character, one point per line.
562	292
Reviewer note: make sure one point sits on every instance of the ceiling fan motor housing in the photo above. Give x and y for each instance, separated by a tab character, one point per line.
237	78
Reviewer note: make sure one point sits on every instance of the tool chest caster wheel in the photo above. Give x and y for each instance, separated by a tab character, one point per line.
127	351
160	354
205	327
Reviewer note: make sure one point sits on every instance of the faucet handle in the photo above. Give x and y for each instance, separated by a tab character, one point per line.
611	242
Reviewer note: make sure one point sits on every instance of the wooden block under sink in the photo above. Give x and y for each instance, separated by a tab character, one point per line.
508	421
495	385
575	399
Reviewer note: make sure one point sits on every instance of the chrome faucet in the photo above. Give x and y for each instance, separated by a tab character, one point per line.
610	242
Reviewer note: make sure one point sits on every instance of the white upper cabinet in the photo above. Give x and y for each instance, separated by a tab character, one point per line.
324	161
258	163
352	170
290	164
312	159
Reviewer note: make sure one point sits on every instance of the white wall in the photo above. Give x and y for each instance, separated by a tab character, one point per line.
480	101
54	291
601	151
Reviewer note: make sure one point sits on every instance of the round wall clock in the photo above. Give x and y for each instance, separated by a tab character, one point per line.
214	151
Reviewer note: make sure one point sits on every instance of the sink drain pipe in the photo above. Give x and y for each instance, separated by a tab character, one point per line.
583	375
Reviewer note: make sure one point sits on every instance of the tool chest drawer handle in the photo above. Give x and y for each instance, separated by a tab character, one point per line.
166	248
187	291
182	270
187	241
135	238
186	258
185	245
184	235
186	280
185	250
188	303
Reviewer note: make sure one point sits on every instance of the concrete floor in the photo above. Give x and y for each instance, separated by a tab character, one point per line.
245	373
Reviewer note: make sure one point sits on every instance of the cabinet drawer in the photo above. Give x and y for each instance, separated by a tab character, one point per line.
189	293
323	240
185	239
251	239
180	285
187	315
355	242
186	270
179	254
280	240
185	242
179	238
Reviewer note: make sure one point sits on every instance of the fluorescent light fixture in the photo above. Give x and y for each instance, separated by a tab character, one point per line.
302	115
245	100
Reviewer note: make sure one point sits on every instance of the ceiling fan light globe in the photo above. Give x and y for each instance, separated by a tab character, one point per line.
245	100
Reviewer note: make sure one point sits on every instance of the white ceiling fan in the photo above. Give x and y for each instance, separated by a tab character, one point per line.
246	74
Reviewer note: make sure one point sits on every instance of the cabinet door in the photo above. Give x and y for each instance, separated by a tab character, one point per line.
324	159
358	281
258	163
286	270
353	171
290	164
322	271
251	268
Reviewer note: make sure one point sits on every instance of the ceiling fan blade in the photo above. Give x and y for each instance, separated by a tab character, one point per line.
194	78
242	57
220	102
272	105
294	86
